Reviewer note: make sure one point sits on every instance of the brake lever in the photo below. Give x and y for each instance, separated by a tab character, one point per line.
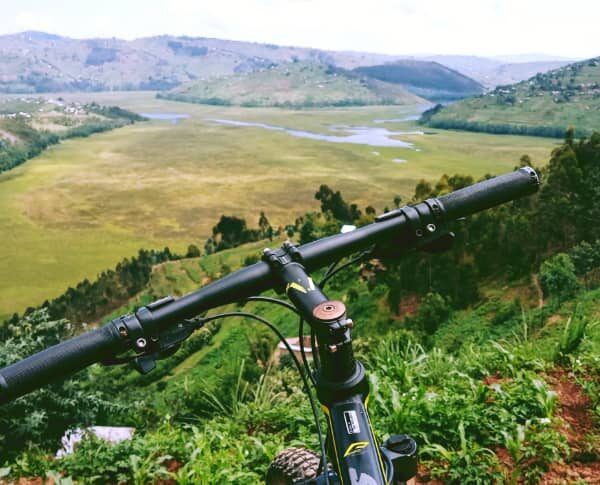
160	347
440	244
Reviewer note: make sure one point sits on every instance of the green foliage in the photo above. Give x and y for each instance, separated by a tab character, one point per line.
114	112
571	338
433	311
557	277
193	251
42	416
232	231
314	225
469	464
32	144
332	203
501	128
138	461
533	447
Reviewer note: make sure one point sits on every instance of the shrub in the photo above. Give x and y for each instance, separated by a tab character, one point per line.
434	310
557	277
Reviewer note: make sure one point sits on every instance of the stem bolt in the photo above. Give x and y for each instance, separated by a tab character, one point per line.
332	348
140	343
431	227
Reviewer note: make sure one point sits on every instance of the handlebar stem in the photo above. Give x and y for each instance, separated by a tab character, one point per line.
326	317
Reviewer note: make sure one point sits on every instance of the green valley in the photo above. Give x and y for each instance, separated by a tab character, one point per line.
82	206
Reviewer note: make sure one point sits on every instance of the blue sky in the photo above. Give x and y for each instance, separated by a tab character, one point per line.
477	27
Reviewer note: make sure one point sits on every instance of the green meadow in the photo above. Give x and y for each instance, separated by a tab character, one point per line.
83	205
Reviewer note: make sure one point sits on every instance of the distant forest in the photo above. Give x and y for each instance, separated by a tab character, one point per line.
496	128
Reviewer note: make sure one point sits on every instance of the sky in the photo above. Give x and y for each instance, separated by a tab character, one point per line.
465	27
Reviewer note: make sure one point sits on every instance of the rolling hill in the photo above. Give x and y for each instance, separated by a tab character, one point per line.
299	84
427	79
544	105
41	62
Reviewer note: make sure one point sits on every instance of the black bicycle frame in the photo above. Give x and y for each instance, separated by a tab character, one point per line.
342	385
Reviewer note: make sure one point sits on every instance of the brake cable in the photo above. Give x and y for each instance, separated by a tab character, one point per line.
330	274
331	271
275	301
294	358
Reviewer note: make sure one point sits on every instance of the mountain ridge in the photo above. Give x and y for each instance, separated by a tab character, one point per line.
36	61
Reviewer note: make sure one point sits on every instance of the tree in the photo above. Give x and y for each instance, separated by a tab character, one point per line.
193	251
307	232
229	232
585	257
210	246
570	135
332	203
557	277
433	311
525	161
264	226
423	190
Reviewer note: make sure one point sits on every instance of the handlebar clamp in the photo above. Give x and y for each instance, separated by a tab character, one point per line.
427	229
278	258
129	327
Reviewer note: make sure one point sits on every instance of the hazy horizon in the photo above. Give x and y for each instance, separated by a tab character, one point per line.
486	28
505	57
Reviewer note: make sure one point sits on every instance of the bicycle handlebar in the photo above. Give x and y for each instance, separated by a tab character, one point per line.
490	192
60	360
77	353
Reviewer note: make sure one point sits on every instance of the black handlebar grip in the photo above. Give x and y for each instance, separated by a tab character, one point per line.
489	193
57	362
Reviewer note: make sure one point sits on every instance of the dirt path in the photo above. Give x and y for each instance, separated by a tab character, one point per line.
580	431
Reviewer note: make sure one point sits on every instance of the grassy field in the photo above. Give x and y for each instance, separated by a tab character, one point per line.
83	205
